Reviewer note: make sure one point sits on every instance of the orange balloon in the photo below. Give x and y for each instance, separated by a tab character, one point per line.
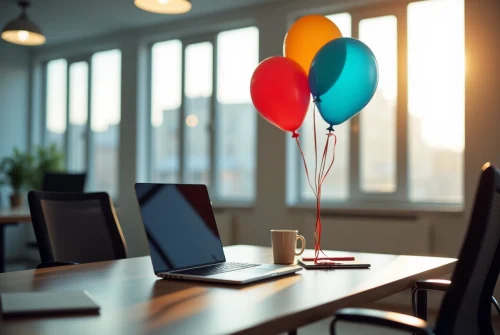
306	36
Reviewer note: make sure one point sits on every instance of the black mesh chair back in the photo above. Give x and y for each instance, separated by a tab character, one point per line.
76	227
466	306
63	182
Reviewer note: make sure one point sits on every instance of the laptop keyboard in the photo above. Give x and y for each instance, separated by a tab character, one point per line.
216	269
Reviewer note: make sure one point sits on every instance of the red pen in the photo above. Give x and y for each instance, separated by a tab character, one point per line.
310	259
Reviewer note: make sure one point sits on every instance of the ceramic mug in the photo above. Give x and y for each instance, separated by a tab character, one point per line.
284	243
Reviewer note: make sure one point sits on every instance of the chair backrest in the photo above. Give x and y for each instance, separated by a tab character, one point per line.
76	227
466	306
63	182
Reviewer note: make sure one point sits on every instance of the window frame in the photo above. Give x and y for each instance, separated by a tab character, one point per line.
87	58
357	199
213	185
89	136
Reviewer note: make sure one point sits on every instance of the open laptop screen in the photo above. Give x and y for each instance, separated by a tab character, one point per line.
180	226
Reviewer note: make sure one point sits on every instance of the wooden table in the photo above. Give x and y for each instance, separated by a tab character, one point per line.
10	217
134	301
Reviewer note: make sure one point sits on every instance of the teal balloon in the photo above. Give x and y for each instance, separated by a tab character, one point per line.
355	85
327	66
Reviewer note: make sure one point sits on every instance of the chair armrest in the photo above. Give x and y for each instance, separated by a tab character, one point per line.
432	284
419	294
438	285
52	264
381	318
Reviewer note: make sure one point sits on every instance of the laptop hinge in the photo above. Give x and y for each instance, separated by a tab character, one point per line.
195	267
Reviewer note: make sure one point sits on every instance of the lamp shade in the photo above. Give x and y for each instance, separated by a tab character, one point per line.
164	6
23	31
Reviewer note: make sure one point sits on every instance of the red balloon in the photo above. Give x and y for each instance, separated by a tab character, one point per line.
280	92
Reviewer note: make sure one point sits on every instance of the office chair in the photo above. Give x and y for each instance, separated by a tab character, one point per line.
465	308
63	182
72	228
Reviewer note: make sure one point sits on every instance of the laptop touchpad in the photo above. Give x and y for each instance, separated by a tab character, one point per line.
241	274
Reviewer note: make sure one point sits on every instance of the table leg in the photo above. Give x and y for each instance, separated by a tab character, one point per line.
422	304
3	242
2	248
292	332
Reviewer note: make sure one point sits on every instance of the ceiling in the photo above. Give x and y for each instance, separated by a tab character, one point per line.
66	20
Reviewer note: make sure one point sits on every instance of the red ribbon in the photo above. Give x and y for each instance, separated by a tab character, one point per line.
318	181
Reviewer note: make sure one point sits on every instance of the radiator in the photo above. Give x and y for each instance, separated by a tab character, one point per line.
377	235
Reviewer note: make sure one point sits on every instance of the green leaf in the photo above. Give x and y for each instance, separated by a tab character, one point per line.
16	169
46	159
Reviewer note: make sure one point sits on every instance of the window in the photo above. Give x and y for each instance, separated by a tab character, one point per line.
198	133
377	123
379	160
197	100
78	110
336	187
436	89
105	120
90	148
56	103
237	58
165	111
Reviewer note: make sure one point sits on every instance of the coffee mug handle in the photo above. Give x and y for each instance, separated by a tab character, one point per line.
303	244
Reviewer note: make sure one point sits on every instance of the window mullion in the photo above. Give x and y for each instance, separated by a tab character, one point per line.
354	150
182	140
66	133
212	178
150	150
43	125
402	107
89	138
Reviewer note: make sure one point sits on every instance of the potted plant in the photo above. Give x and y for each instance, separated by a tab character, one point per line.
15	171
46	159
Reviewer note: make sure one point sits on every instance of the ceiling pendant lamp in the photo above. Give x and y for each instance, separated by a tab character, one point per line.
164	6
22	30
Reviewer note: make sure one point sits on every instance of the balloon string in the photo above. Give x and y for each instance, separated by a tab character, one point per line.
333	157
321	179
315	181
323	160
317	230
305	165
315	150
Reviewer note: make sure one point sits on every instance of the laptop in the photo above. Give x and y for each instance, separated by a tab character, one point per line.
184	241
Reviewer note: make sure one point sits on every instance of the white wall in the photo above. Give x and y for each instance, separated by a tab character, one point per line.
15	64
423	233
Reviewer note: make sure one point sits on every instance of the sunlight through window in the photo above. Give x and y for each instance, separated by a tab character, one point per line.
165	110
237	57
198	90
105	121
436	81
378	119
78	115
56	102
